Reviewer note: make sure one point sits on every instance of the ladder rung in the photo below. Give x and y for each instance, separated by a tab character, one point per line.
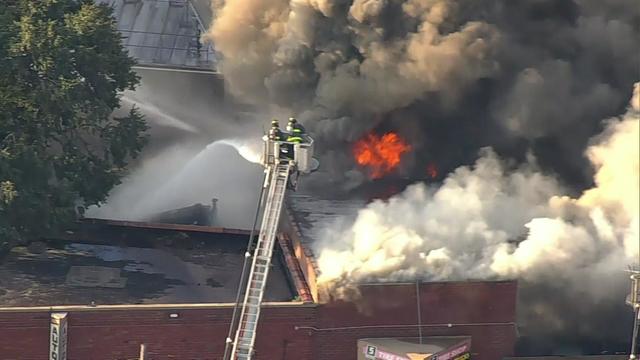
244	331
251	331
248	314
247	321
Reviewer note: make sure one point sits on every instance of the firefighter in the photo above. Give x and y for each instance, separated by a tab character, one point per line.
290	124
294	124
296	131
295	136
275	133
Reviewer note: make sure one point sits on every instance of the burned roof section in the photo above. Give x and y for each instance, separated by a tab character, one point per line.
313	216
109	263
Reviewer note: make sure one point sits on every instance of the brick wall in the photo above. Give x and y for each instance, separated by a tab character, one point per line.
108	334
484	310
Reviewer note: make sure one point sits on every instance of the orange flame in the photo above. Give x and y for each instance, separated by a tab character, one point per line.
381	154
432	170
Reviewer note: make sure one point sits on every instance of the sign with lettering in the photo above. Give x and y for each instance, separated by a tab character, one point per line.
373	352
454	354
58	337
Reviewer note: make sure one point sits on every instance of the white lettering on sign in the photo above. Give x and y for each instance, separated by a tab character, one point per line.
371	351
455	352
382	355
387	356
58	337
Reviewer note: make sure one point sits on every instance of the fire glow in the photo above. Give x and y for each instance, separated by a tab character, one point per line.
432	170
380	154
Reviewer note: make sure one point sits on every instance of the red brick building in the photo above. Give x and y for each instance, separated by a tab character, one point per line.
174	322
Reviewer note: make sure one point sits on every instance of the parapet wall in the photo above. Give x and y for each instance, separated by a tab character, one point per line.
107	333
288	331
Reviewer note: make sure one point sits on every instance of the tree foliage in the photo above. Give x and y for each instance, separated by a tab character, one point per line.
62	68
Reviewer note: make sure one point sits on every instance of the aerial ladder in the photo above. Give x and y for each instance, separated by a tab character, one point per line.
283	162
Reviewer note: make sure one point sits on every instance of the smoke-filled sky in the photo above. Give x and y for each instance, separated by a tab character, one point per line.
499	220
463	226
450	76
506	97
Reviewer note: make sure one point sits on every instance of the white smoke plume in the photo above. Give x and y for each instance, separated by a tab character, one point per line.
492	220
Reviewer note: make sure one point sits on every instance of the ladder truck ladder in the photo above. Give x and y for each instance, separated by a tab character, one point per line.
246	333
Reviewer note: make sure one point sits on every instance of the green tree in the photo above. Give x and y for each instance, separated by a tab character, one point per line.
62	68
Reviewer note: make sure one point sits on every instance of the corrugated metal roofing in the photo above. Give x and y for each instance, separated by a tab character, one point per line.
163	32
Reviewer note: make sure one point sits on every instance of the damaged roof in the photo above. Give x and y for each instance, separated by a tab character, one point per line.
315	217
131	265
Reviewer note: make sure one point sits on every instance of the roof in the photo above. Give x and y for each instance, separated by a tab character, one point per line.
163	226
312	216
116	264
196	214
164	32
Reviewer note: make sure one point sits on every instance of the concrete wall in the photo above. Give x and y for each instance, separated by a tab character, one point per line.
484	310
